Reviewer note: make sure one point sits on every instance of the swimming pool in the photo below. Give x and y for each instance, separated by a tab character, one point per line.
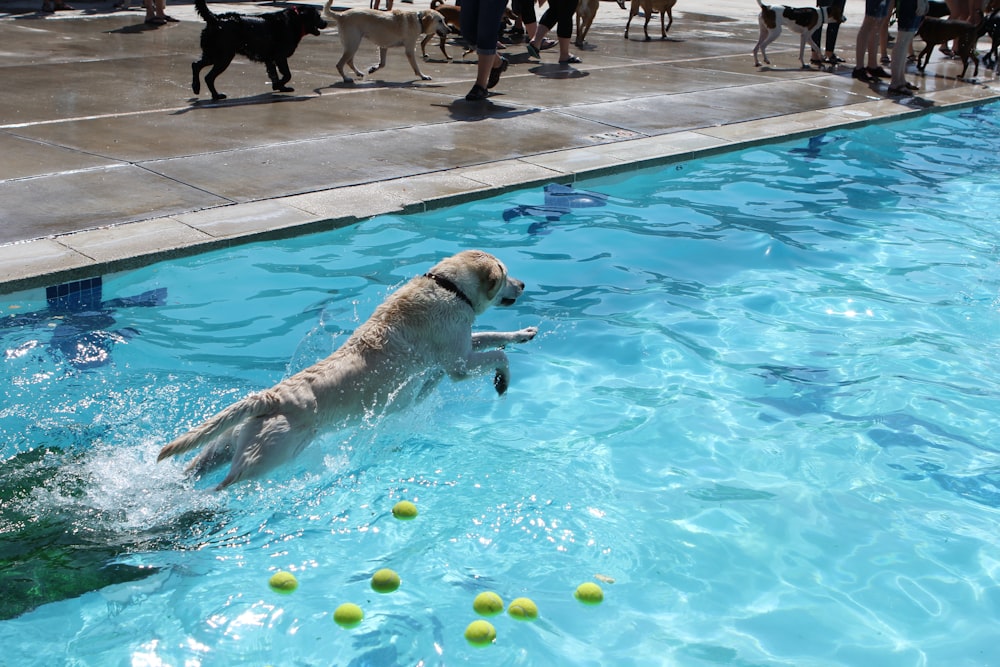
762	403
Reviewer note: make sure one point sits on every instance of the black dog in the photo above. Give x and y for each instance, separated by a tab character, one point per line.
268	38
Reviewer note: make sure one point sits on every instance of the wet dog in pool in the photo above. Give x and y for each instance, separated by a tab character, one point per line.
419	334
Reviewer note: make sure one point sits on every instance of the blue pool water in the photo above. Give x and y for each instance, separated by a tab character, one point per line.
762	402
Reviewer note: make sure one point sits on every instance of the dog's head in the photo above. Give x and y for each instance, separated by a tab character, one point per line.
481	278
309	18
432	21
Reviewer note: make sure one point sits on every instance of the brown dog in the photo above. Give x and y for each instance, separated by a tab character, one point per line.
663	7
451	14
586	10
803	20
936	31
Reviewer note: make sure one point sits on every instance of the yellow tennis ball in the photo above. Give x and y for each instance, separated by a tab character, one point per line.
589	593
523	609
404	510
348	615
487	604
385	581
480	633
283	582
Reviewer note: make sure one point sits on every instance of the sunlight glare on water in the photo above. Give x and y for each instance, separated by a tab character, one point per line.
760	413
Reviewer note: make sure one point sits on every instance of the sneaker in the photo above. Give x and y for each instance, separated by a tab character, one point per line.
496	72
861	74
477	94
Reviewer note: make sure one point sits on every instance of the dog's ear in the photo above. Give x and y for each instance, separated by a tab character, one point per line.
495	279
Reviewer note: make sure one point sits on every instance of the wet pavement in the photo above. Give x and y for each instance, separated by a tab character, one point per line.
109	161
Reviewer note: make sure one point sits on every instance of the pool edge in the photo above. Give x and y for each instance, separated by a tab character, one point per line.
126	246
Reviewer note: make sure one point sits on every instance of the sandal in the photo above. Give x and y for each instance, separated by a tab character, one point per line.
833	59
533	51
899	90
547	44
572	60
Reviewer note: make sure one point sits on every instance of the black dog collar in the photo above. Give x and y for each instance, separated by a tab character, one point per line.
450	286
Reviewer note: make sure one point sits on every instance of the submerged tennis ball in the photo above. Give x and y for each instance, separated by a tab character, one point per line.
589	593
348	615
480	633
283	582
404	510
487	604
523	609
385	581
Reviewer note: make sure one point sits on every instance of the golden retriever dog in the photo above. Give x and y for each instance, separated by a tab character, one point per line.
649	7
396	27
419	334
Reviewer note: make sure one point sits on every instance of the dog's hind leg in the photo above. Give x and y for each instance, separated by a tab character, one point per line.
218	68
196	68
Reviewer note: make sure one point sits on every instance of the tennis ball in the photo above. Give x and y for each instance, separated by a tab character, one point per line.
385	581
589	593
404	510
480	633
487	604
523	609
348	615
283	582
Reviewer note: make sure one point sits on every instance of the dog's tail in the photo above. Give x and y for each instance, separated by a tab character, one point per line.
327	13
205	13
253	406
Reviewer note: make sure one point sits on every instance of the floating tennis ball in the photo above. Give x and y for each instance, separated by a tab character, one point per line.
487	604
589	593
480	633
404	510
385	581
523	609
283	582
348	615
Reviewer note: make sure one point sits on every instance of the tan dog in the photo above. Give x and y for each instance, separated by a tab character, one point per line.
664	7
586	10
395	27
416	336
452	18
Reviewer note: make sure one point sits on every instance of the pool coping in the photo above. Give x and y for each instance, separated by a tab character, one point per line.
49	260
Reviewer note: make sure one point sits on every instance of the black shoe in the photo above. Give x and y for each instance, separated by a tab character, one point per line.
496	72
878	73
861	74
477	94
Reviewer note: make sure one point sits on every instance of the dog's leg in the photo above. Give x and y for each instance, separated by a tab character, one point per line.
423	45
771	36
443	50
351	44
217	68
411	55
645	26
196	68
382	53
764	32
278	84
485	339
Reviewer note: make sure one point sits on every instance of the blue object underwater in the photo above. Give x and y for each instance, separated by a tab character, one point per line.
559	200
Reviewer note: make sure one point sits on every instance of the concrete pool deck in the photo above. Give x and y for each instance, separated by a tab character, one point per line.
109	162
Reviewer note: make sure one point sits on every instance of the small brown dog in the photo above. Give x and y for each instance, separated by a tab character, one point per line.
586	10
452	18
663	7
936	31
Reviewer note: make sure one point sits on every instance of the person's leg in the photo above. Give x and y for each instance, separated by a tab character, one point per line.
817	35
480	20
564	29
832	31
907	22
549	19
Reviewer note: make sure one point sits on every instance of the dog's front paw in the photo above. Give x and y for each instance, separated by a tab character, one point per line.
500	382
526	334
